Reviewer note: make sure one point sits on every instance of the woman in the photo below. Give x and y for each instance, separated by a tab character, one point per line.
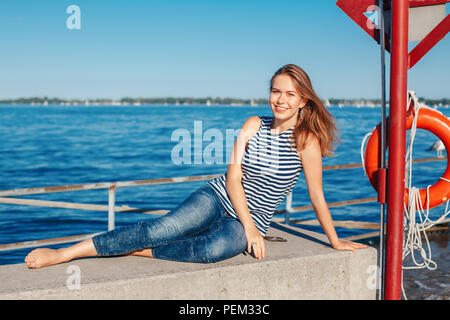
231	214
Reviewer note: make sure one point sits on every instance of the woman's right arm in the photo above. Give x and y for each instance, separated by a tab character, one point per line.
235	189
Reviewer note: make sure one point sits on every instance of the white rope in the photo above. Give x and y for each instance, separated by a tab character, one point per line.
363	143
416	217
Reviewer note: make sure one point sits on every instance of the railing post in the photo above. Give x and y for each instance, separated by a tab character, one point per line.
288	207
111	205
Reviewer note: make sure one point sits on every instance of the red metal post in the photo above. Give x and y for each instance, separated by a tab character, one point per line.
397	145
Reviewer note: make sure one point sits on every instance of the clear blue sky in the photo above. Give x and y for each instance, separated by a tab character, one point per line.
194	48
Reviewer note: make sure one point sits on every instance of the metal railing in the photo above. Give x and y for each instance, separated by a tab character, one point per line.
6	196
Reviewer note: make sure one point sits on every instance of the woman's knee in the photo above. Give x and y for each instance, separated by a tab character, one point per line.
159	230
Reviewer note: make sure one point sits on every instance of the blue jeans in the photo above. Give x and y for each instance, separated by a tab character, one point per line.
197	230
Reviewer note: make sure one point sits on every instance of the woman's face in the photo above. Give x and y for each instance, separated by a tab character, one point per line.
284	100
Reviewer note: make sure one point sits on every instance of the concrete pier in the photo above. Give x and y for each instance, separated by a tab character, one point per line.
304	267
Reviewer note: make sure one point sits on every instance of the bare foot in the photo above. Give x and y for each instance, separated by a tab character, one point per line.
43	257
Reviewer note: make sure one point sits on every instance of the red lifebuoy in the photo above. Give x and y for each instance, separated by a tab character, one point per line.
427	119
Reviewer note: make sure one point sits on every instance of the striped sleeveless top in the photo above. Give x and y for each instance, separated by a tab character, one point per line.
270	170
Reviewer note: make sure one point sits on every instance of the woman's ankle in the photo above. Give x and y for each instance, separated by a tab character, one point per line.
64	254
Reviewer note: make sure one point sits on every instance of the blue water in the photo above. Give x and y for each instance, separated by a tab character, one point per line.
62	145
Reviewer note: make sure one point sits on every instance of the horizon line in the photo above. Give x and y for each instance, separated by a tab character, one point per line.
185	97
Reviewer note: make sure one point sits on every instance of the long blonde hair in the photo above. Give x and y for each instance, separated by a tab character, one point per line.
313	118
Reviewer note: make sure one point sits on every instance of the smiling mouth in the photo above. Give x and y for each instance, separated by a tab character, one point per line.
280	109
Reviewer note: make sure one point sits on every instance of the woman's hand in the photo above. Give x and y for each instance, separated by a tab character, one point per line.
347	245
255	242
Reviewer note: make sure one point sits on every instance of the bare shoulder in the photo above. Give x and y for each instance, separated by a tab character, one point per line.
248	130
252	123
251	126
311	146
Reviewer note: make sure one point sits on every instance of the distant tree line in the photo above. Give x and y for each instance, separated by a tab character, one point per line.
197	101
343	101
189	100
362	101
128	100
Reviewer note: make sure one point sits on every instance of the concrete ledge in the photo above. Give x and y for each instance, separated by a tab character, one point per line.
304	267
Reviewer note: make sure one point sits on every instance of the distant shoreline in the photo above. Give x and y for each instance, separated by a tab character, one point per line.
170	101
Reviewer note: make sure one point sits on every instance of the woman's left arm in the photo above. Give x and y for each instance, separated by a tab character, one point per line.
311	157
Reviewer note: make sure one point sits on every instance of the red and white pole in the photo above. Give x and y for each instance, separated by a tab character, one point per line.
397	145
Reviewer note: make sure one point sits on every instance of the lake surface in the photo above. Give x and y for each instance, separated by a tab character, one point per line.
64	145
